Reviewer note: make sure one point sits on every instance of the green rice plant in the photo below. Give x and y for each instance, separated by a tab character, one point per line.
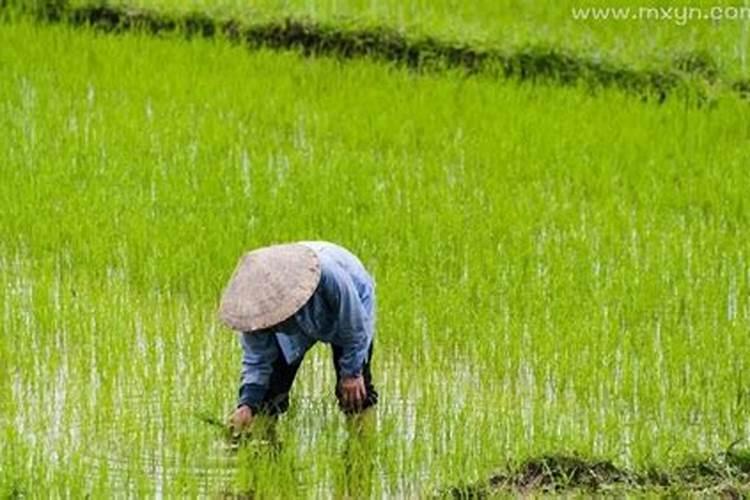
557	273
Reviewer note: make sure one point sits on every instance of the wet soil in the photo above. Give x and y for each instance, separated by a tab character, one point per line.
725	475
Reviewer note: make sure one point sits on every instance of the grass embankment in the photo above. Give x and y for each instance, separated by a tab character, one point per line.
725	475
646	43
555	272
694	75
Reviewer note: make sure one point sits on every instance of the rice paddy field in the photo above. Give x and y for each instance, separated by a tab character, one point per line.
557	272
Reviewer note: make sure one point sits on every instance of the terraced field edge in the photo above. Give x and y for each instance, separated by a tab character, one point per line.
693	75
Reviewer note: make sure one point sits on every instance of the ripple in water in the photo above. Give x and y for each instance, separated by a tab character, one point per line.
153	443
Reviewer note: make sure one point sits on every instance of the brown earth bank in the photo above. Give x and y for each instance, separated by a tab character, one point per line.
724	475
693	76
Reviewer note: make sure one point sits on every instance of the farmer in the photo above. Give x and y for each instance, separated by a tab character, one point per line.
282	299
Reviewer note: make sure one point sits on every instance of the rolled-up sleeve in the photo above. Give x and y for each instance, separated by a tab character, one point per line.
353	325
259	351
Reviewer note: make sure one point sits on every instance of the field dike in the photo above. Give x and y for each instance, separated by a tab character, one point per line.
725	475
693	75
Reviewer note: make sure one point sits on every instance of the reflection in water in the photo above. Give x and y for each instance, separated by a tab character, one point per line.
359	456
155	443
122	378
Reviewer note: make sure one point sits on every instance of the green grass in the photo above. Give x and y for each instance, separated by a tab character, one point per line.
556	272
509	24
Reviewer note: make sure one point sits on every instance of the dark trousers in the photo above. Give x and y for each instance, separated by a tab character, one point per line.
276	400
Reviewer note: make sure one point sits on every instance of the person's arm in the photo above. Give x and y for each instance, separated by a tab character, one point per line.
353	322
259	351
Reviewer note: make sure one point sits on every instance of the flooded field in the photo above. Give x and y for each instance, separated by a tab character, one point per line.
557	273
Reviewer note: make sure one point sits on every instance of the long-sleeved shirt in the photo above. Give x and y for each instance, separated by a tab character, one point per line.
341	311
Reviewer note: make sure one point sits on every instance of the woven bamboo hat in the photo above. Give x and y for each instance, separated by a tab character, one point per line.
269	285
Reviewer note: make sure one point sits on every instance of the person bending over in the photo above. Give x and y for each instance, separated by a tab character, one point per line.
281	300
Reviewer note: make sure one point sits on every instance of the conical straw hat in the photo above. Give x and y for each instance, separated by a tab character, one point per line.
269	285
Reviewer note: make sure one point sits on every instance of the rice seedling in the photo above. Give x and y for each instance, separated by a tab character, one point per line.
557	273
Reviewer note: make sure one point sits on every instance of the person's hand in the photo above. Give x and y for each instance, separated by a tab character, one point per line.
353	390
241	418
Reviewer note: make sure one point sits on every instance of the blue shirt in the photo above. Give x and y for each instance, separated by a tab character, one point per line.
341	311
